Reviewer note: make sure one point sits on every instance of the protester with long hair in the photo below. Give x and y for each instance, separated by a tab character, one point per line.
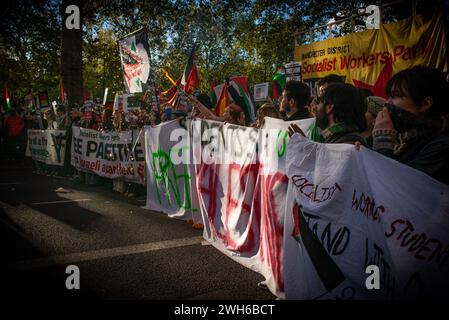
411	128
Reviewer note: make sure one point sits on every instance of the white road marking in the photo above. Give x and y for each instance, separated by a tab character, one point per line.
60	201
73	258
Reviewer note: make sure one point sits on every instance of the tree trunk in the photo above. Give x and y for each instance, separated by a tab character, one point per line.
71	56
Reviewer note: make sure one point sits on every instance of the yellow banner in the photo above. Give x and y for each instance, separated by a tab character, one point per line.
368	59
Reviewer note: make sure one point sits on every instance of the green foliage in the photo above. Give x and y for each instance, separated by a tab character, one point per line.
29	47
102	65
245	37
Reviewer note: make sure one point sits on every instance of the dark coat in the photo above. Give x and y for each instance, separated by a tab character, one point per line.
429	155
299	115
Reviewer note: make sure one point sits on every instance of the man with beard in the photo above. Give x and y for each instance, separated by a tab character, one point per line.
295	97
340	115
410	128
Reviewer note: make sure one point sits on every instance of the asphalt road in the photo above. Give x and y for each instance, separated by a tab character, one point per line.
122	250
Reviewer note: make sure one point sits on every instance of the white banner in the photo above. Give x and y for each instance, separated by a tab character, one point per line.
114	155
241	181
171	185
359	225
47	146
273	186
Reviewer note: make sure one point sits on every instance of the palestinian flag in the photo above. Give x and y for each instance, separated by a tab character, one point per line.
223	101
240	84
212	95
8	103
190	79
279	81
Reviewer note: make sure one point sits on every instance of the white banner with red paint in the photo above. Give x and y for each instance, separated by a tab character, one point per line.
359	225
242	186
114	155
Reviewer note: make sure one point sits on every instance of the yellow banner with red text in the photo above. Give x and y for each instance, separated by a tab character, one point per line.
368	59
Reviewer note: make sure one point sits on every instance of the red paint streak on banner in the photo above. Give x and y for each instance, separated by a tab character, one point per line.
272	230
264	219
207	182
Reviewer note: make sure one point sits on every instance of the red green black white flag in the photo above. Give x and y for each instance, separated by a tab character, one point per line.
190	79
8	103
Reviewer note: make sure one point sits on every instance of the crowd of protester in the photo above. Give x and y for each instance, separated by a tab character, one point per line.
15	122
411	125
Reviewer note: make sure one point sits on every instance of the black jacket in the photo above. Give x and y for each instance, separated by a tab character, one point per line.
299	115
429	155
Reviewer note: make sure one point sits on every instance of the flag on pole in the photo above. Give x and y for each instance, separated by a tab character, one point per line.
212	95
223	101
62	93
135	57
105	97
8	103
241	85
279	81
190	79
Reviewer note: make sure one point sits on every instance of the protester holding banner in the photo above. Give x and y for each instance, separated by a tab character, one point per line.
50	120
266	110
76	120
76	117
295	97
234	114
62	120
31	121
106	120
340	115
118	120
410	129
315	132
